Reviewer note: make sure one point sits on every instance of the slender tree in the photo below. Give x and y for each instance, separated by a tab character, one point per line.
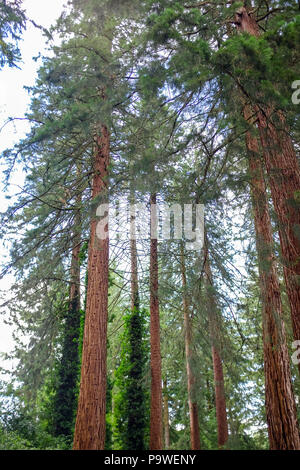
136	403
156	378
166	415
215	335
193	406
66	395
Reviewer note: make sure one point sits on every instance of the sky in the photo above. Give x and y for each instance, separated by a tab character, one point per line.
14	102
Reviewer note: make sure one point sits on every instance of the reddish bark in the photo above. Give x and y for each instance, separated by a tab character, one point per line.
284	178
193	407
280	402
156	379
214	329
91	414
221	412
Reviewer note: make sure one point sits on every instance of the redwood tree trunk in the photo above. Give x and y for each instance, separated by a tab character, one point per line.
217	362
193	407
284	177
280	402
156	385
91	413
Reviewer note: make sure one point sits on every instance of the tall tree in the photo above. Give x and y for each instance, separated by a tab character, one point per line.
284	178
91	413
280	402
156	378
135	433
193	406
214	329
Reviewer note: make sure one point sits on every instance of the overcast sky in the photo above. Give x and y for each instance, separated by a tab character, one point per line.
14	102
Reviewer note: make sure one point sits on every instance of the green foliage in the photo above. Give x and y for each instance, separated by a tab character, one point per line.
12	23
131	404
65	402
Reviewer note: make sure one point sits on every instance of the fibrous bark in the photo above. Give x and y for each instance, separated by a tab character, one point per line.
91	414
280	402
284	178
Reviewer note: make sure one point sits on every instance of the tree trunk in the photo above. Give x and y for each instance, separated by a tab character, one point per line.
280	402
215	335
193	407
284	177
166	416
156	385
91	413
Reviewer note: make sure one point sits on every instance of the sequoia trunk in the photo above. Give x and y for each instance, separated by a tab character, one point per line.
91	414
280	401
284	177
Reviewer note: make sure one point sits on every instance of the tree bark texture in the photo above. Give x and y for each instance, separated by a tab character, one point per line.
280	402
91	414
284	179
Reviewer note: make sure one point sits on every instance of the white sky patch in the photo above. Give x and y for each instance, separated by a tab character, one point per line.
14	102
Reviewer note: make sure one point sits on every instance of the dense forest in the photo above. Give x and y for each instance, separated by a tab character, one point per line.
154	244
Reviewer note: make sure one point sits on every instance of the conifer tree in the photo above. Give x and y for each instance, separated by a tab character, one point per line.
12	23
214	328
156	377
193	406
284	178
280	401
